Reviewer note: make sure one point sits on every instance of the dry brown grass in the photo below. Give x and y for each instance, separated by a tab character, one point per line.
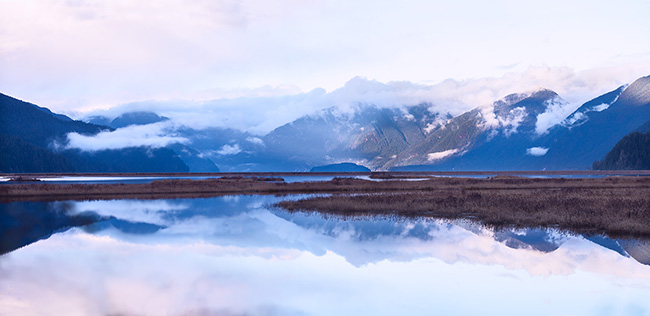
612	210
615	205
252	185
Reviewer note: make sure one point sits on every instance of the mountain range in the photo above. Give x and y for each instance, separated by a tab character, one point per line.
31	140
535	130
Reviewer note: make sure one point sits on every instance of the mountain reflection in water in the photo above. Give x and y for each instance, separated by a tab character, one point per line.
236	255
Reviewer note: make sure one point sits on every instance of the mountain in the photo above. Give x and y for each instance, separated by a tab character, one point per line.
33	139
196	161
368	134
523	131
595	128
495	137
536	130
128	119
630	153
470	142
17	155
36	125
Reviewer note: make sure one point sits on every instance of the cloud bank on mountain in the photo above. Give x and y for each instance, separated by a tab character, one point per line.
153	135
269	108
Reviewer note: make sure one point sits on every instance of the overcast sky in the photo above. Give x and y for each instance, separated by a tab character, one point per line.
76	55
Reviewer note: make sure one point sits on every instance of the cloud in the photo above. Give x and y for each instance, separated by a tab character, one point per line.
206	262
601	107
89	54
537	151
255	140
557	110
441	154
153	135
152	212
226	150
266	109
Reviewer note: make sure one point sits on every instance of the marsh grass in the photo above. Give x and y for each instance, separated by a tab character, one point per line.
611	211
614	205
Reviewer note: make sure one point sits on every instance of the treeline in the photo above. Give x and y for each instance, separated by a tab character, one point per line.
630	153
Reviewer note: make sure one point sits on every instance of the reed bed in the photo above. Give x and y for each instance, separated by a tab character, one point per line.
613	205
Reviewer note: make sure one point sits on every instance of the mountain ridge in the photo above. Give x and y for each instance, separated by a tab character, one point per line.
536	130
32	138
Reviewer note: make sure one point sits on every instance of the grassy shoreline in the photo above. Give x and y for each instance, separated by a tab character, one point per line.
274	185
613	205
376	174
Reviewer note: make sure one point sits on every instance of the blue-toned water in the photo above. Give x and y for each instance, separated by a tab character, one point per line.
287	178
134	179
237	255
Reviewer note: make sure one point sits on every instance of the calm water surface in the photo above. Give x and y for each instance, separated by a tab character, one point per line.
239	256
289	178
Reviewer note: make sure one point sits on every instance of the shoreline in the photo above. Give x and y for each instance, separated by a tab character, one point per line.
396	174
611	205
234	185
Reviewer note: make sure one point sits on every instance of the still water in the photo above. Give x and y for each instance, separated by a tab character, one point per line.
238	255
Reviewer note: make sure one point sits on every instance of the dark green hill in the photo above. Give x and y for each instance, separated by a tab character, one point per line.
17	155
630	153
33	139
37	125
137	118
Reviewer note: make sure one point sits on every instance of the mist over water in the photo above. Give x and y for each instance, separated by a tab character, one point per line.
238	255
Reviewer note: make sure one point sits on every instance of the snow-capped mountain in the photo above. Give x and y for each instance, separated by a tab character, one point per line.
526	131
536	130
518	133
369	136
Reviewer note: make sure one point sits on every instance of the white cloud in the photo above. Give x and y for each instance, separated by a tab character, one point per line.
152	212
601	107
255	140
441	154
226	150
557	110
179	269
537	151
153	135
262	112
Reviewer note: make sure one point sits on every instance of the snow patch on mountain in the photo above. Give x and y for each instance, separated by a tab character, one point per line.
441	154
580	117
508	122
511	122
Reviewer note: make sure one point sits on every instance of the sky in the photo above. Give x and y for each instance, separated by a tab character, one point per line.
76	56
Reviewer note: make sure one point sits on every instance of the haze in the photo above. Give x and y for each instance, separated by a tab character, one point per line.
77	56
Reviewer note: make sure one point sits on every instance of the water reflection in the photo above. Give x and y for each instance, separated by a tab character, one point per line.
237	256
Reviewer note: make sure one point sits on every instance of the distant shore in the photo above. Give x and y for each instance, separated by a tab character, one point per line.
607	205
284	174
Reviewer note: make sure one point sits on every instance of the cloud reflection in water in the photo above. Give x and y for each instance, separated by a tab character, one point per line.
234	256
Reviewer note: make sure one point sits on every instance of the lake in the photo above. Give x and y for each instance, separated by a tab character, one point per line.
304	176
238	255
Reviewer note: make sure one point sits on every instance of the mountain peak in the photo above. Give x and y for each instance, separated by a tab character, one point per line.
137	118
637	93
